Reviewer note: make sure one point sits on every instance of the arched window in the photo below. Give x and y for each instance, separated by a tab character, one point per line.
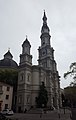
22	76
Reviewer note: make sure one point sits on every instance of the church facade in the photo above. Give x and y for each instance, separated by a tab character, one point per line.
31	76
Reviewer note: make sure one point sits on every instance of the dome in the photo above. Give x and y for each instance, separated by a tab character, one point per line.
8	62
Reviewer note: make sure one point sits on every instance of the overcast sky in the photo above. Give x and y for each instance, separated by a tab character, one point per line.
19	18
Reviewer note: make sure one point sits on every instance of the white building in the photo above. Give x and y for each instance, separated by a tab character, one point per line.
31	76
6	94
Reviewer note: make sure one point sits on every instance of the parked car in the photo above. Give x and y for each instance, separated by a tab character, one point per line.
10	112
7	112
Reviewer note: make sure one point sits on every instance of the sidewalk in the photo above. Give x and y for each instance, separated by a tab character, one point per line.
54	115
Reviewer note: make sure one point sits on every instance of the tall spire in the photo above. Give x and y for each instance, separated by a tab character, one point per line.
44	18
45	28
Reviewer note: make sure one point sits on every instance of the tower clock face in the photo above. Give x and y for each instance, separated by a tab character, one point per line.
45	40
43	52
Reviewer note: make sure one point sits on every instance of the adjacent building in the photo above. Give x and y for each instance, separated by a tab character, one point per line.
6	93
8	66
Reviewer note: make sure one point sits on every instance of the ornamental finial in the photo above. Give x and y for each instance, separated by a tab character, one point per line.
26	36
8	49
44	18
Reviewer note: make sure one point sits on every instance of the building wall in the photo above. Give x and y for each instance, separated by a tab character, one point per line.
6	96
28	86
29	89
24	88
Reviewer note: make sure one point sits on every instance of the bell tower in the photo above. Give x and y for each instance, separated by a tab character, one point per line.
45	36
25	57
46	52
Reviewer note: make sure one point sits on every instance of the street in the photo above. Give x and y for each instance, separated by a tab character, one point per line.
50	115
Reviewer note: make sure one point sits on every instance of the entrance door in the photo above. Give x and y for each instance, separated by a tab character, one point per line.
19	109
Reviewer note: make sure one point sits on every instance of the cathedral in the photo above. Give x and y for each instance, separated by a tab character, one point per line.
31	76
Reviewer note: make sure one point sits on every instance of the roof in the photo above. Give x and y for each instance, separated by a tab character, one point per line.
8	54
8	61
26	42
5	84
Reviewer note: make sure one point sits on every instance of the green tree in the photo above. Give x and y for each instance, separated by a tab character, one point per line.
70	91
70	95
9	76
42	98
72	73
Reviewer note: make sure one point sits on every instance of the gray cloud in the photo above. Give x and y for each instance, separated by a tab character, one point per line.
19	18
